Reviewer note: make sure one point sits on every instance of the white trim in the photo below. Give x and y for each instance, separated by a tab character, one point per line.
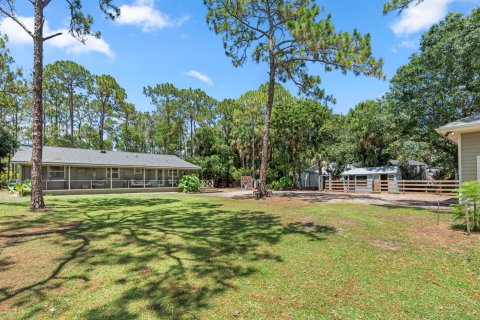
49	171
118	171
460	157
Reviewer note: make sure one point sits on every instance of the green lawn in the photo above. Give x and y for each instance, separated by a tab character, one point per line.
168	256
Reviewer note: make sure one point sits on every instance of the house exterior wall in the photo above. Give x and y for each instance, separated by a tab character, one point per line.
469	152
89	178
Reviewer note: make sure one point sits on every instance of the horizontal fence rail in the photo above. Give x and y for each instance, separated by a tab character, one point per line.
49	185
394	186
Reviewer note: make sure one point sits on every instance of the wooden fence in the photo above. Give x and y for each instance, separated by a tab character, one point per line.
394	186
206	184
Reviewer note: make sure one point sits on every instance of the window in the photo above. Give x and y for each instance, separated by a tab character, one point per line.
115	173
56	172
137	171
175	173
361	181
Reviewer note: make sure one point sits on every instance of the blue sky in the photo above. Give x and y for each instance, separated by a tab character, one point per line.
169	41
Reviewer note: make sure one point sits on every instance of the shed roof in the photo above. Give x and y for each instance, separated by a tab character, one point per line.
371	170
314	169
72	156
468	124
409	162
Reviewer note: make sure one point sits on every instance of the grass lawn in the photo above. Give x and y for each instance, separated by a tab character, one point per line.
173	256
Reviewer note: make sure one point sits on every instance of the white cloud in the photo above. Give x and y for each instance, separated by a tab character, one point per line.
409	44
18	36
405	44
142	13
417	18
200	76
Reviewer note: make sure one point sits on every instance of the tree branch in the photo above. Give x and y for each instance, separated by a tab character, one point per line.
45	3
52	36
14	18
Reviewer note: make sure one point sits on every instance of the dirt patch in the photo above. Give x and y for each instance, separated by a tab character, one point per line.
444	236
302	197
387	244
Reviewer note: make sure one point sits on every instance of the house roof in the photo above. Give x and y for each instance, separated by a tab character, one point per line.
409	162
468	124
371	170
72	156
314	169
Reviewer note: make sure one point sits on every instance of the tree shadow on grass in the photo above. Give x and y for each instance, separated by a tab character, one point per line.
166	258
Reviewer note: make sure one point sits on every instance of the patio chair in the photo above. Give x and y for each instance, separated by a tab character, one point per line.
100	184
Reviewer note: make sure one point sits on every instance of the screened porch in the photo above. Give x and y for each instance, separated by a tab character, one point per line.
78	178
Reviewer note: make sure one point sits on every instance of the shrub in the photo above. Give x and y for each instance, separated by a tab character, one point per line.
22	188
240	172
469	198
282	184
190	183
4	178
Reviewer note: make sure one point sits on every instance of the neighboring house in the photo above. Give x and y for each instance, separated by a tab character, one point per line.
362	179
465	133
411	169
309	178
69	170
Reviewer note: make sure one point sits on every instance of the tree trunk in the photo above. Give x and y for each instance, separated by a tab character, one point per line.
253	151
8	168
167	147
320	176
70	102
192	153
294	163
127	138
36	201
101	145
266	129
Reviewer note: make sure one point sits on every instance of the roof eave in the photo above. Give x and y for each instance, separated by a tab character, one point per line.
107	165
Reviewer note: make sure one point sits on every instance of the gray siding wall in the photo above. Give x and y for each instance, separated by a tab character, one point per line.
470	152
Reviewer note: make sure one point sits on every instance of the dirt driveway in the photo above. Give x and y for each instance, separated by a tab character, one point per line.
417	200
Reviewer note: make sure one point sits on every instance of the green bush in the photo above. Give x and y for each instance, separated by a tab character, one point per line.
282	184
237	174
469	197
22	188
4	178
190	183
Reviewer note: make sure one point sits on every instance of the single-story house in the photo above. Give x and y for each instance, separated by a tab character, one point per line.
362	179
308	178
466	133
411	169
70	170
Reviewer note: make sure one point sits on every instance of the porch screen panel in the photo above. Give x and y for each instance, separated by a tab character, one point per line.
150	174
26	172
100	173
81	173
126	174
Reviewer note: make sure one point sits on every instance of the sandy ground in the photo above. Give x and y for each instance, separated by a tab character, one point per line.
426	201
416	200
